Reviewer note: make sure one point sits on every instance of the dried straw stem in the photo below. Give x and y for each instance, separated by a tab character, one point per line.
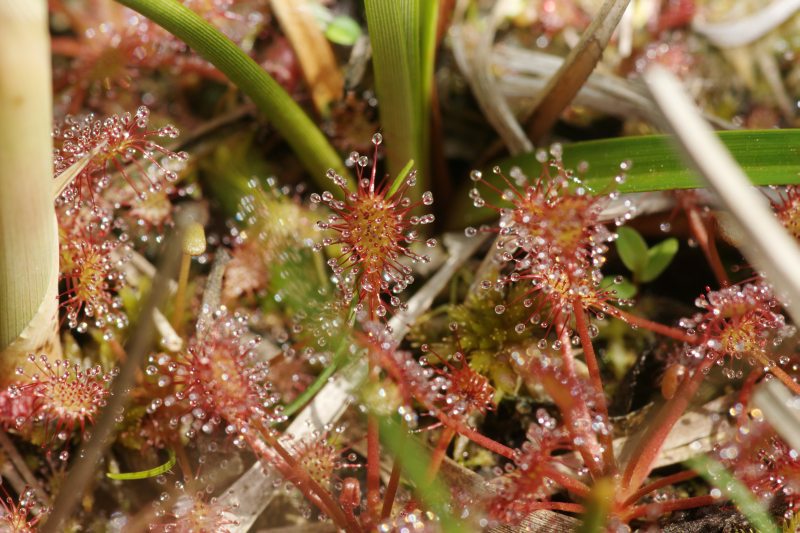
28	232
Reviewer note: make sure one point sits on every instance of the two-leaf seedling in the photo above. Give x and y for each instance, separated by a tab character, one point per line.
645	264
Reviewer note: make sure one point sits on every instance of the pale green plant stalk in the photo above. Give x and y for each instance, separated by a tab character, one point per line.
28	230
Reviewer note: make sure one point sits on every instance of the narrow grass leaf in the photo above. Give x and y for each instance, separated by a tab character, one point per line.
398	181
730	487
769	157
415	460
145	474
302	134
402	35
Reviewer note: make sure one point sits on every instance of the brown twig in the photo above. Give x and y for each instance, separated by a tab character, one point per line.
138	344
22	468
575	70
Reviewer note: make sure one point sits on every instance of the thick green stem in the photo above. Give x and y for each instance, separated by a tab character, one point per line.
313	149
28	234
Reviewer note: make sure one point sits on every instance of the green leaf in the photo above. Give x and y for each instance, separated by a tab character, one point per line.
632	250
343	30
716	474
768	157
403	38
658	259
398	181
302	134
624	289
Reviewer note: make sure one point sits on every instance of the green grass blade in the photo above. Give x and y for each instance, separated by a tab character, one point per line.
305	138
403	39
415	459
769	157
398	181
145	474
716	474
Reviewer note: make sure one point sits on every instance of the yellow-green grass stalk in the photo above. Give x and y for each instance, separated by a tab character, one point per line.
28	231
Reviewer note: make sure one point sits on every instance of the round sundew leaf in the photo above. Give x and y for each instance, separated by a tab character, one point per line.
632	250
343	30
658	259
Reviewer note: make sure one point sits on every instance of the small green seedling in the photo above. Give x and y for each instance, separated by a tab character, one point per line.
645	263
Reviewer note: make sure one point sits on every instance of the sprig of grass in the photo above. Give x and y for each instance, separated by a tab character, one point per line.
415	460
768	157
146	474
305	138
716	474
403	38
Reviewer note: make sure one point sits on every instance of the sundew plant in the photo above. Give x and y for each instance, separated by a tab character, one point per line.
399	265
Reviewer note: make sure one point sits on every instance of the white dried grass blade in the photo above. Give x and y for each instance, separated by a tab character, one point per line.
747	29
522	74
768	246
64	179
781	409
472	45
253	491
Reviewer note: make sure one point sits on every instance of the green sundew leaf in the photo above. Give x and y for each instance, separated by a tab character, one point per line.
398	181
415	459
632	250
658	259
624	289
302	134
343	30
768	157
145	474
716	474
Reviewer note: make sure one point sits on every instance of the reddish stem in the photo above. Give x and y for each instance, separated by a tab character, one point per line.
373	470
183	459
649	447
439	452
701	234
373	460
306	484
662	482
391	490
573	408
555	506
779	373
477	438
667	507
573	485
66	46
655	327
582	325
